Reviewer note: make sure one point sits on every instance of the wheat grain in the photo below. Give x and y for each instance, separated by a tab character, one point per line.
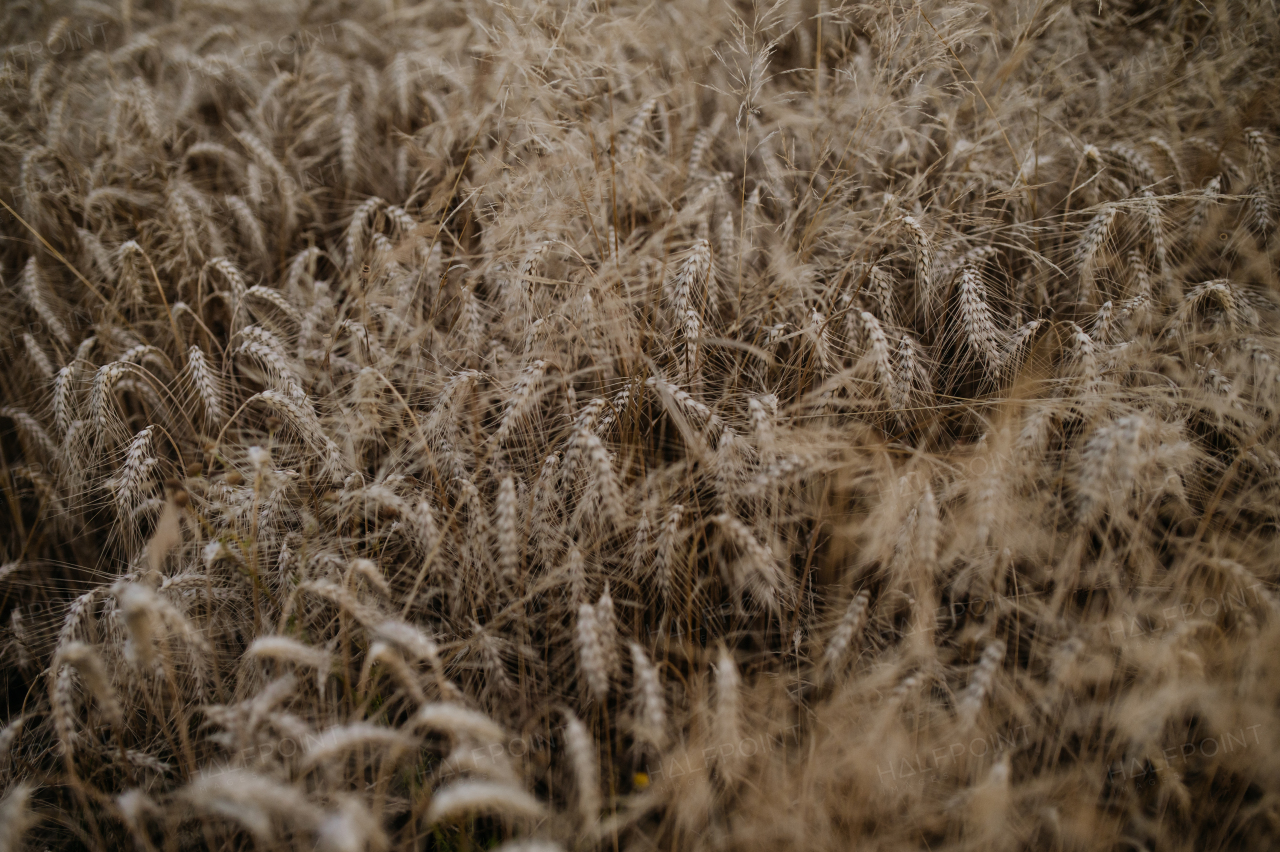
15	815
586	769
423	347
467	798
256	802
980	683
34	290
86	661
652	703
132	479
727	725
592	659
976	318
850	626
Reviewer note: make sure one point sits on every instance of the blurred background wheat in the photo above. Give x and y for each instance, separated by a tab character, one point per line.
618	425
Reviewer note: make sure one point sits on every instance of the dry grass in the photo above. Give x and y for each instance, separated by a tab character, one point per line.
640	426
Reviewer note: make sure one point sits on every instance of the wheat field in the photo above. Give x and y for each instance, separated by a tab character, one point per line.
618	425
